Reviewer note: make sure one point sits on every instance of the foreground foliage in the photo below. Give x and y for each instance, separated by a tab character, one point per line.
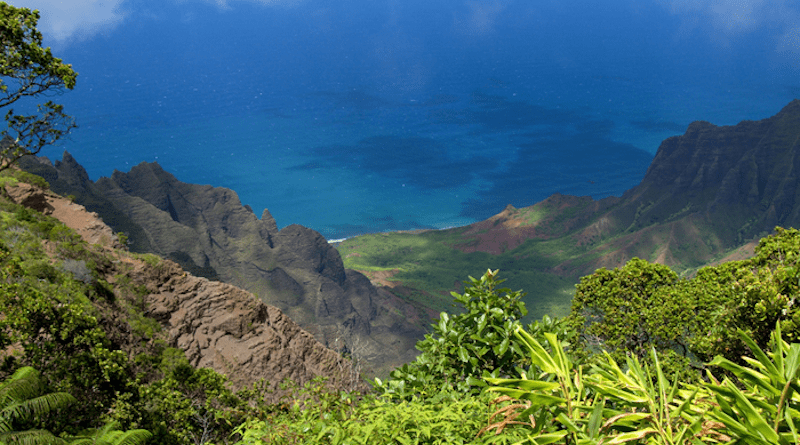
636	403
21	400
554	394
477	339
316	417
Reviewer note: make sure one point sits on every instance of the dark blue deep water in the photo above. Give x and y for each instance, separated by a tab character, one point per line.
354	116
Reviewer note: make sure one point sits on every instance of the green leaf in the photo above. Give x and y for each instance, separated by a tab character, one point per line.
759	353
463	354
751	416
620	394
747	374
539	356
527	385
632	435
502	347
535	398
596	418
544	439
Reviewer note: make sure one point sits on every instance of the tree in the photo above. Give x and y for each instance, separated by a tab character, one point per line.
29	70
640	306
622	309
644	305
21	401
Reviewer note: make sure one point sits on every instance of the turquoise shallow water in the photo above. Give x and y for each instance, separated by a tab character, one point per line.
361	116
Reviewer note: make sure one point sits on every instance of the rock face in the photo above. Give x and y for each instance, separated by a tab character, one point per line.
706	193
711	190
225	328
217	325
742	179
211	234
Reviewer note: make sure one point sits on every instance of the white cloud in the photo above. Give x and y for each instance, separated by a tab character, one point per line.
730	17
65	19
481	17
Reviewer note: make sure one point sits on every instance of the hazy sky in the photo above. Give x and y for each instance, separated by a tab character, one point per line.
719	20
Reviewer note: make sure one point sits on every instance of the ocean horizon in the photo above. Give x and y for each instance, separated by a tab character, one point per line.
359	117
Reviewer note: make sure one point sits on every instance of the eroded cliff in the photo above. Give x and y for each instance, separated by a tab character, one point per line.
210	233
216	325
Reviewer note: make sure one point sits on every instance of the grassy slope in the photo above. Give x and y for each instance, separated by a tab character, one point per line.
426	262
436	262
542	249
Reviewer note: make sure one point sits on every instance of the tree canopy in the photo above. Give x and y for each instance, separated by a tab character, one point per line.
644	305
29	70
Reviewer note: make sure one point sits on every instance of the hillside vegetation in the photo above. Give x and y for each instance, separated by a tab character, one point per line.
644	356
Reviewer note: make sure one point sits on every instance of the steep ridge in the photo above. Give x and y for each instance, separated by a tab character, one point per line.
708	191
227	329
217	325
210	233
747	172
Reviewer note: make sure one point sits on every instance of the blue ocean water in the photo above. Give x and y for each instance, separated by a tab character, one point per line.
360	116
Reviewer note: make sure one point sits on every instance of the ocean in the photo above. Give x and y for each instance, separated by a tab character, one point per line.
360	116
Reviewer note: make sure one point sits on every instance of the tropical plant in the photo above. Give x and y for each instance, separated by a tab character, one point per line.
604	405
21	401
763	405
478	339
646	404
556	401
110	434
610	404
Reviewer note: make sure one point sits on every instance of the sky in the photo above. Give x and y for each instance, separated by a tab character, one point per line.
355	116
720	20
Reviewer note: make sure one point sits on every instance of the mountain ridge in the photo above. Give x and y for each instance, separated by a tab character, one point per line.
215	325
210	233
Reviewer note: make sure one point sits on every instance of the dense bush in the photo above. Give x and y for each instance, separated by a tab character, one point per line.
477	339
313	416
